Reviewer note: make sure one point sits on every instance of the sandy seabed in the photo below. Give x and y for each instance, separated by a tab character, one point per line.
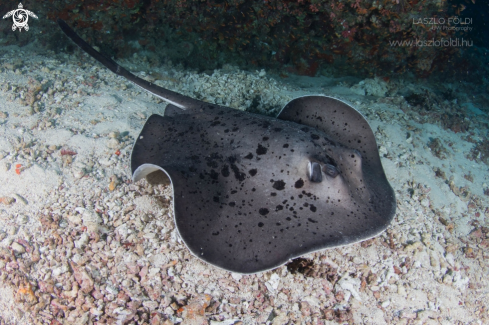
81	244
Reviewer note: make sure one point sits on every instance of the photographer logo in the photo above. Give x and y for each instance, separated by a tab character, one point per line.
20	17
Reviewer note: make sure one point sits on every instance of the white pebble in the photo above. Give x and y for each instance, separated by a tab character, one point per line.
22	219
18	248
20	199
12	230
82	241
113	143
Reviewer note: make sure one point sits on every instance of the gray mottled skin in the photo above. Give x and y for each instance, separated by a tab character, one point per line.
243	196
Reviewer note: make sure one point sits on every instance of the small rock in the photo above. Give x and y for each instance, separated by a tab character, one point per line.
194	312
96	312
386	303
83	278
273	283
12	230
82	242
20	199
60	270
18	248
113	143
21	219
111	290
412	247
357	260
91	220
281	319
140	115
401	290
236	276
383	151
7	200
151	305
75	219
350	285
78	173
114	134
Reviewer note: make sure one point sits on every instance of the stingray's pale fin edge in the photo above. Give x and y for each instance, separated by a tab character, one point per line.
176	99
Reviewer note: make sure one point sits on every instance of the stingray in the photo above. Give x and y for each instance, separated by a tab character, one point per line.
252	192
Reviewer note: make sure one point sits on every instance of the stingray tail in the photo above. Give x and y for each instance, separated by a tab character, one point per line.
178	100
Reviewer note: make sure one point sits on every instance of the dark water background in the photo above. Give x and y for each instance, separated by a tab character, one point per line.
309	37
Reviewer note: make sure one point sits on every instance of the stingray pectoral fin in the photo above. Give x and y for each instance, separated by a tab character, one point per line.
179	100
342	123
345	126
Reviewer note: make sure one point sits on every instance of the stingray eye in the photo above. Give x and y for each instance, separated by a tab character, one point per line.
330	170
315	172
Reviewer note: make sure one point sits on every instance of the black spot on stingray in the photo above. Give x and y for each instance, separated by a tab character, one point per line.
215	199
313	208
279	207
232	204
263	211
215	123
286	145
273	194
314	136
213	174
252	171
265	138
305	129
237	173
225	171
226	131
261	150
312	220
215	233
248	156
261	224
277	129
213	159
279	185
299	183
232	159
